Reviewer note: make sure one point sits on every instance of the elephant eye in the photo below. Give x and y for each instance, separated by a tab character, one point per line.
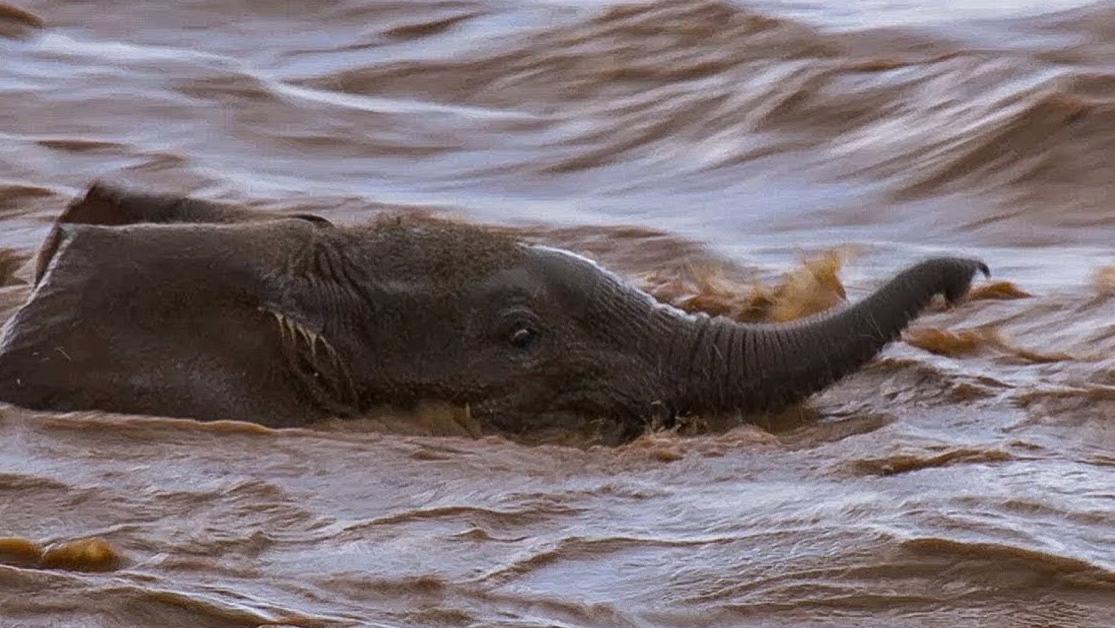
523	337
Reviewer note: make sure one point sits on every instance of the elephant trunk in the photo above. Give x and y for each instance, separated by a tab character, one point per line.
764	367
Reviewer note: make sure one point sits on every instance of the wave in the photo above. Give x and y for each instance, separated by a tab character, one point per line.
712	85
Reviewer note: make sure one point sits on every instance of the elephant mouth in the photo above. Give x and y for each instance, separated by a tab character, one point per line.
554	416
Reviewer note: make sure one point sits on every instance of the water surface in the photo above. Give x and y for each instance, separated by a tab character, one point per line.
971	486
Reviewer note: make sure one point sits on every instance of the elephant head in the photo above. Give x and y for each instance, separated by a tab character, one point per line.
170	306
574	340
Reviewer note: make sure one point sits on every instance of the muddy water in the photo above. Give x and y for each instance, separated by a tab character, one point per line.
964	478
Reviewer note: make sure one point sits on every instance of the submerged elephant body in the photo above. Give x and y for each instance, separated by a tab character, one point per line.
179	307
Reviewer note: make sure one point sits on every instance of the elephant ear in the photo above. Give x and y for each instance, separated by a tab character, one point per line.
174	319
109	205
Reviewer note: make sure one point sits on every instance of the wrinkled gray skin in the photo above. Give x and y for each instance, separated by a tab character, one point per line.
170	306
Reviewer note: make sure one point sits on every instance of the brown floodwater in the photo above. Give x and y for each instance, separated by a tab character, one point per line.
759	159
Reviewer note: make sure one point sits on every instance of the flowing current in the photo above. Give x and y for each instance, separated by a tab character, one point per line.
965	478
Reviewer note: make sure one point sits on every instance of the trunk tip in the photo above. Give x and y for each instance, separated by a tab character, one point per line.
958	273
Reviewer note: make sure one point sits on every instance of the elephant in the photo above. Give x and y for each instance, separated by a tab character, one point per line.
167	305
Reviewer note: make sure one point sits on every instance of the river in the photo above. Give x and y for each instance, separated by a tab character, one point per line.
702	148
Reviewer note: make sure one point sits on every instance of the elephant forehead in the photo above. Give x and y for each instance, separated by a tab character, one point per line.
566	269
568	279
541	278
516	280
580	280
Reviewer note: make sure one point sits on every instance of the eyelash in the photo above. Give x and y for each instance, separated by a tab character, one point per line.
523	336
